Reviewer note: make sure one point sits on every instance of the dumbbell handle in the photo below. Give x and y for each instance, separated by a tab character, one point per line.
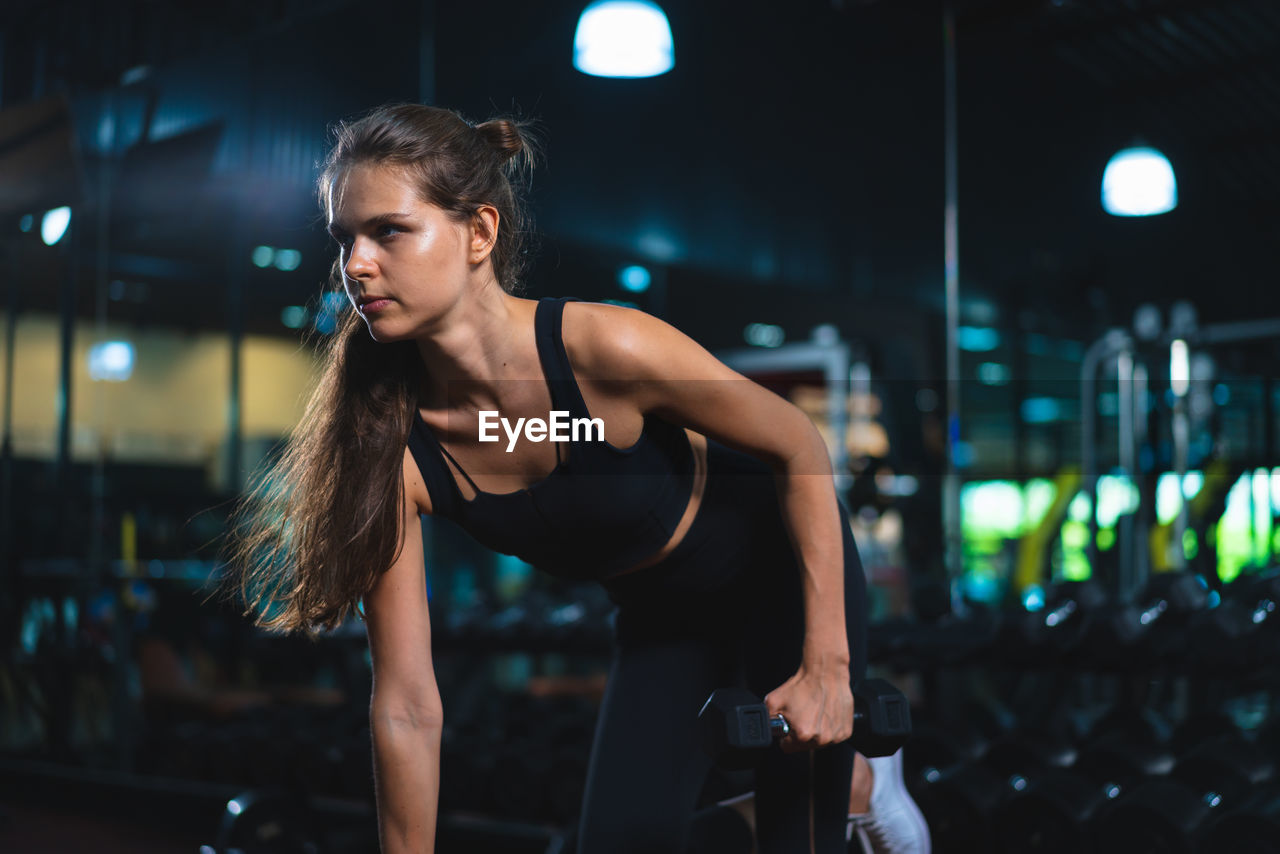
735	723
781	729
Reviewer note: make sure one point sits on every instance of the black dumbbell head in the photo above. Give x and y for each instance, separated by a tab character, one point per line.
735	727
882	718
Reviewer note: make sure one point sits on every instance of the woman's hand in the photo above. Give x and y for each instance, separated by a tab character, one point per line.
818	705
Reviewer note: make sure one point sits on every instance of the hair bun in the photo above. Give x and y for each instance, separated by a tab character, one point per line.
503	136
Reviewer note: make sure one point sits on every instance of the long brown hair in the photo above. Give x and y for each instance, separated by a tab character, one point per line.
310	539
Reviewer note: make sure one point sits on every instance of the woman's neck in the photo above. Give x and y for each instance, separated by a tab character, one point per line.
474	352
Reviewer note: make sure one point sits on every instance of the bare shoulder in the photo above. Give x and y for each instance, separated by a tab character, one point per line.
668	374
606	340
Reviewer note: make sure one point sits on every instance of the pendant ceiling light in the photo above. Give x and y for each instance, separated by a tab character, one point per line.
1139	182
623	38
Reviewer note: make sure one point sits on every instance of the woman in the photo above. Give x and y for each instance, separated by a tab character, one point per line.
704	504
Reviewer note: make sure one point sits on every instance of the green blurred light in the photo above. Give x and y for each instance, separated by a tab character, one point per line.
1039	496
1075	564
1116	497
992	507
1078	509
1235	544
1167	501
1228	569
1106	538
1190	545
1262	516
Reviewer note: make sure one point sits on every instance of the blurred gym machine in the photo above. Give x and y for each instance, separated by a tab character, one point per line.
1184	345
829	361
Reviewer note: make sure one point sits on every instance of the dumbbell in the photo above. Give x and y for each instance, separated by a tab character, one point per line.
963	774
941	769
1054	631
1134	636
1126	789
1052	814
1238	636
1046	805
736	725
1254	826
1169	813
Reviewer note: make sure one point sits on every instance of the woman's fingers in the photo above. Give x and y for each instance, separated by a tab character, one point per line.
807	733
817	718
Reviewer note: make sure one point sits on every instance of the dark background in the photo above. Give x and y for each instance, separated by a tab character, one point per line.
795	146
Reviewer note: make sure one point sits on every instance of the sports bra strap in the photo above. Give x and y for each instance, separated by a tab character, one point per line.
549	323
445	451
565	395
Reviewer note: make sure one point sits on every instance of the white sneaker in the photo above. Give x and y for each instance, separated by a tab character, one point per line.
893	824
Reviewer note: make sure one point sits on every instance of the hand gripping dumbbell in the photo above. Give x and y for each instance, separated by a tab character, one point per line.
737	728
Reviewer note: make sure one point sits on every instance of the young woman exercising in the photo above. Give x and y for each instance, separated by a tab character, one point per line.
705	505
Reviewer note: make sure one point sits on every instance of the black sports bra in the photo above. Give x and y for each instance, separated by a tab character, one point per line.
599	512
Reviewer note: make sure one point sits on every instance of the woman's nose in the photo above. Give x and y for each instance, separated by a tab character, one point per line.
359	264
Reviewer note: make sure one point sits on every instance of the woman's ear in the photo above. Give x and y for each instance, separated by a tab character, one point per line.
484	233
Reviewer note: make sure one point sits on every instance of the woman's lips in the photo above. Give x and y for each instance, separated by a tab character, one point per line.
374	305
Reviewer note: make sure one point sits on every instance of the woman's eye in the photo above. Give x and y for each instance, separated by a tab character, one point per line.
388	230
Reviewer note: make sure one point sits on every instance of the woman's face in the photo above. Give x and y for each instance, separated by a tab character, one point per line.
404	261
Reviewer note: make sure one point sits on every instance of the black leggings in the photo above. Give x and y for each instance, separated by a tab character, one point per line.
725	608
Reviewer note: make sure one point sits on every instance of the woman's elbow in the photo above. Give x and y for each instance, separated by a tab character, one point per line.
423	715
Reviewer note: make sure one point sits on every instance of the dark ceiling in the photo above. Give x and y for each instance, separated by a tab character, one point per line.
796	148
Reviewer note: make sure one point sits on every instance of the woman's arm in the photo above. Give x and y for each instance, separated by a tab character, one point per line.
405	712
670	375
817	701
